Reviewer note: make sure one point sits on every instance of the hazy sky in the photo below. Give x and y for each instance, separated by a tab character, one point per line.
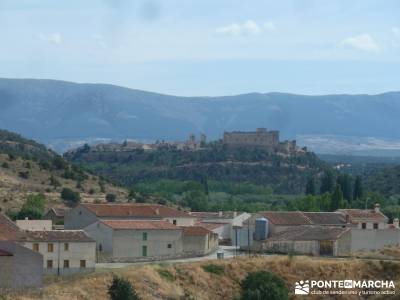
206	47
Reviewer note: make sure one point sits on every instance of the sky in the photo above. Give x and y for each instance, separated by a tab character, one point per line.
207	47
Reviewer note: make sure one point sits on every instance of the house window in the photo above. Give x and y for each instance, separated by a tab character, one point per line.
35	247
83	263
376	226
144	250
364	225
169	246
50	247
66	247
66	263
174	222
144	236
49	264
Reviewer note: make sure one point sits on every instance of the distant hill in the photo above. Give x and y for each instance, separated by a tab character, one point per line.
283	174
28	167
64	114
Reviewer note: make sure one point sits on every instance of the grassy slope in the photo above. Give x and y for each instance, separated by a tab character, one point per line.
14	189
191	279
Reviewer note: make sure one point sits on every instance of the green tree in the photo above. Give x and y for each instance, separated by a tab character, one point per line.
310	186
122	289
131	195
70	196
337	198
111	197
33	208
344	180
358	188
263	285
327	182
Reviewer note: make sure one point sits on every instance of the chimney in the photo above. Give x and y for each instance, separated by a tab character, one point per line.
347	219
220	214
26	218
157	211
396	222
235	214
377	207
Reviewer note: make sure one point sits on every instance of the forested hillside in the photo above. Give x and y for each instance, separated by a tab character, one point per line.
33	178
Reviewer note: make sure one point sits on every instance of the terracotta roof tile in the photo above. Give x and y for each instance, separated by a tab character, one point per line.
133	224
55	236
214	215
210	226
195	230
368	214
8	229
59	211
286	217
136	210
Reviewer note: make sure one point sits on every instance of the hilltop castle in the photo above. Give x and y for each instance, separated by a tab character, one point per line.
260	138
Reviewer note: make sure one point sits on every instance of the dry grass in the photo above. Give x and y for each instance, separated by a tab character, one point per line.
191	279
13	189
389	252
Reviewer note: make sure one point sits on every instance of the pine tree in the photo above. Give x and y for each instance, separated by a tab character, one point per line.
327	183
337	198
358	188
310	186
344	180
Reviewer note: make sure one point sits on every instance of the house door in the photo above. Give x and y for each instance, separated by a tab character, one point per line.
326	248
144	250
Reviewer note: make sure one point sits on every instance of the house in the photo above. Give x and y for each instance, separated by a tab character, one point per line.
279	221
19	267
35	225
87	213
229	218
308	240
366	218
64	252
135	240
221	229
198	241
56	214
370	229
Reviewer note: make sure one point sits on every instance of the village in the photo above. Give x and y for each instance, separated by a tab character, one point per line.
94	233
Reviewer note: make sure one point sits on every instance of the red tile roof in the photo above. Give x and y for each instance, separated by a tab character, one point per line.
195	230
135	210
368	214
59	211
138	225
210	226
304	218
286	217
55	236
8	229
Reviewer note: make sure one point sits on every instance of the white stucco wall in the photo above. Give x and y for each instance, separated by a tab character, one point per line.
77	251
370	239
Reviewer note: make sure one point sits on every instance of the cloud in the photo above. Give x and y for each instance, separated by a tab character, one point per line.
396	31
363	42
52	38
247	28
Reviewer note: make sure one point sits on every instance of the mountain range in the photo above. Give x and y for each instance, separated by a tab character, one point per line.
64	114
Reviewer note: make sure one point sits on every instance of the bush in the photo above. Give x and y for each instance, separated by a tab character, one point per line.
215	269
111	197
33	208
23	174
5	165
166	274
263	285
122	289
69	195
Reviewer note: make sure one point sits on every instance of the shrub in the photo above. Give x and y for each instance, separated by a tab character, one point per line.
263	285
111	197
166	274
33	208
23	174
5	165
215	269
122	289
54	182
69	195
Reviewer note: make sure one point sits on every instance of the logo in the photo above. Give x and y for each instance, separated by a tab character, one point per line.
302	287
